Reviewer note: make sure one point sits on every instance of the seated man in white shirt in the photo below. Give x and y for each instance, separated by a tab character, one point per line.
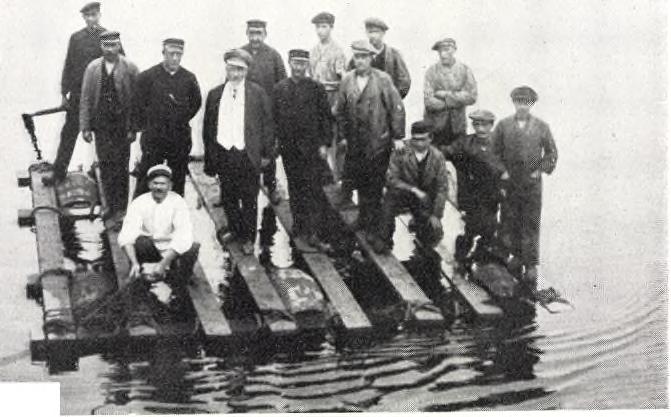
157	229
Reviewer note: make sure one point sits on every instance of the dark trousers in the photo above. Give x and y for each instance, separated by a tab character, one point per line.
239	183
69	134
306	196
181	268
480	220
521	215
396	202
174	149
113	152
368	176
270	176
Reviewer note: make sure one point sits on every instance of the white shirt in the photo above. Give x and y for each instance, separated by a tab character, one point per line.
231	121
109	66
420	156
361	81
167	223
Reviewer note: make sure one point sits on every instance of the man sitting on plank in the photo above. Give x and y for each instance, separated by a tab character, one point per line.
416	180
157	230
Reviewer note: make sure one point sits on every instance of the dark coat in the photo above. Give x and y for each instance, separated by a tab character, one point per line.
258	126
403	174
302	117
267	68
394	65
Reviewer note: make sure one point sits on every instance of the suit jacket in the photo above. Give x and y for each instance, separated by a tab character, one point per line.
258	126
403	174
125	75
394	65
371	118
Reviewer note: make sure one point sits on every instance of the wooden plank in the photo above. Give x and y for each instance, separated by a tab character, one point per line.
352	315
57	306
406	288
263	292
214	324
23	178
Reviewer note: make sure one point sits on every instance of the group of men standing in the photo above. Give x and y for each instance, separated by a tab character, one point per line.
353	107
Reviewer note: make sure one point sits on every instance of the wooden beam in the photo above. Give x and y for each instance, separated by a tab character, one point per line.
421	308
268	301
352	315
214	324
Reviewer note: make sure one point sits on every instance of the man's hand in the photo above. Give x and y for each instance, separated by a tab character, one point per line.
536	174
131	136
421	195
342	145
135	270
88	136
323	154
435	223
65	102
441	94
159	272
398	144
265	162
505	176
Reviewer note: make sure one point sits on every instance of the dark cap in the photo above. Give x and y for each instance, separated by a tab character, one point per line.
324	17
160	170
110	36
483	115
444	42
238	57
524	93
299	54
363	47
174	42
89	7
420	128
254	24
374	22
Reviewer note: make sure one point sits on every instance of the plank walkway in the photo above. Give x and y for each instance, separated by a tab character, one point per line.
421	309
352	315
275	315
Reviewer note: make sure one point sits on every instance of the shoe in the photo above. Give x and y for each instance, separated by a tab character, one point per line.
248	248
316	243
225	237
275	197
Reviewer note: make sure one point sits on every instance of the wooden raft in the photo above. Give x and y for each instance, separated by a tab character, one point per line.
422	310
276	317
352	315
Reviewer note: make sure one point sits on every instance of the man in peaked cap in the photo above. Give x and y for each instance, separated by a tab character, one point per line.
83	47
479	185
385	57
157	231
266	69
105	109
527	149
166	99
416	181
238	142
371	122
303	129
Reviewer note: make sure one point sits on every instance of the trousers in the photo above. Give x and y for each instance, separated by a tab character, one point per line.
368	176
69	134
396	202
113	152
521	215
306	196
157	148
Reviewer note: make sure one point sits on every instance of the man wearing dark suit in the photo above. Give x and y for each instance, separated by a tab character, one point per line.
83	47
416	181
238	141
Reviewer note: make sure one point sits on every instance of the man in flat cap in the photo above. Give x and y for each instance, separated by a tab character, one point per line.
449	86
527	149
480	185
385	57
303	129
416	181
238	141
83	47
105	109
327	65
266	69
371	122
167	96
157	230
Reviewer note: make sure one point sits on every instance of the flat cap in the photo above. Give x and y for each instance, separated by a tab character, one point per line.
160	170
174	42
481	114
110	36
89	7
444	42
524	92
256	24
238	57
324	17
421	128
299	54
374	22
363	47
